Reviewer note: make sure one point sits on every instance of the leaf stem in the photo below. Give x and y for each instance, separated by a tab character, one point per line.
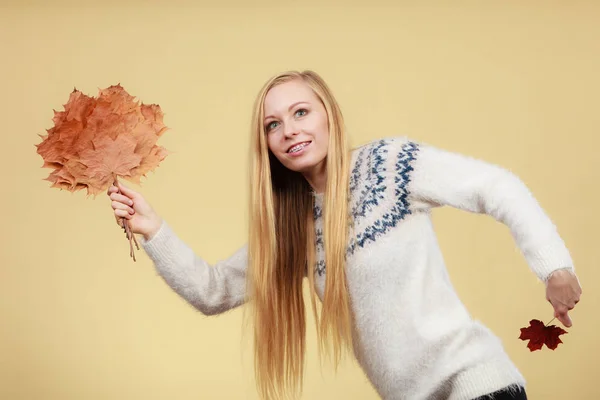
551	321
127	228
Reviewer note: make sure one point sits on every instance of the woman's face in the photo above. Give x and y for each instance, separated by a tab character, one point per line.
296	126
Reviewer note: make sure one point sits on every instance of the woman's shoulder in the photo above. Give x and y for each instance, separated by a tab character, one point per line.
379	176
385	144
382	167
375	154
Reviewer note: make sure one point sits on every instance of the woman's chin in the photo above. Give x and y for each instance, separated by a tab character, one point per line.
303	166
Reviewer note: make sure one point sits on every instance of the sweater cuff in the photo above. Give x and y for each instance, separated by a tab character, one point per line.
159	247
548	259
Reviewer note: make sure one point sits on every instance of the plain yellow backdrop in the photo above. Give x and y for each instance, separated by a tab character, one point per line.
514	83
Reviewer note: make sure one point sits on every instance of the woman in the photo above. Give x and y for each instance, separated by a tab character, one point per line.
360	220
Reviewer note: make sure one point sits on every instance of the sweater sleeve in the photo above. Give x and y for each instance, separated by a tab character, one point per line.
210	289
443	178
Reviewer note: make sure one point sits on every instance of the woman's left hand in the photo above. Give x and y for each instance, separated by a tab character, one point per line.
563	292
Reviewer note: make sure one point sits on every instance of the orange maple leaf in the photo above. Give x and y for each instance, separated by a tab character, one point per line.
95	140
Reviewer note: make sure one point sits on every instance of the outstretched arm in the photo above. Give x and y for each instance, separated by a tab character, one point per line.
443	178
210	289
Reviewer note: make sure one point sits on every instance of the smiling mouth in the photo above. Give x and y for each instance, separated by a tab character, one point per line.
298	147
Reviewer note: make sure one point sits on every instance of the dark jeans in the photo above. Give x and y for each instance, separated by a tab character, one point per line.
506	394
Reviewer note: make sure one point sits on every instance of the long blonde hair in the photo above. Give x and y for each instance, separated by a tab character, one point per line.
281	251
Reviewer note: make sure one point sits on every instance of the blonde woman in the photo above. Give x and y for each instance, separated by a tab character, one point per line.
357	224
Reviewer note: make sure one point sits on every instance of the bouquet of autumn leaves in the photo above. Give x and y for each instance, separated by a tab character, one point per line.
95	140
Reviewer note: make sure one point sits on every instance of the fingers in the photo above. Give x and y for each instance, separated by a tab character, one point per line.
121	199
121	207
121	204
132	194
564	293
561	312
120	221
564	318
117	205
123	189
124	213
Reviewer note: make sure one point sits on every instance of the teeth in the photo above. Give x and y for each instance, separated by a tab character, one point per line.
298	148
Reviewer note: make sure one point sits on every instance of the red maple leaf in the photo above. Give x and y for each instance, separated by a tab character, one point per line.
539	334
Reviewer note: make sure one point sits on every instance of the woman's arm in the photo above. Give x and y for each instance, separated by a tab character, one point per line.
210	289
443	178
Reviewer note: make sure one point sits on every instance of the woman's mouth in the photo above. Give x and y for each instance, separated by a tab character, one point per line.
298	149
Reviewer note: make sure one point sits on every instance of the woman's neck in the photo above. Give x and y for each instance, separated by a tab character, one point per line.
317	178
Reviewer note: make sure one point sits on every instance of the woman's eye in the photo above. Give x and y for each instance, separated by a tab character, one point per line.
301	112
271	125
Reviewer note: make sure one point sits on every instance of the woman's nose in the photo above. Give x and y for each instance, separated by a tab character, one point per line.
290	129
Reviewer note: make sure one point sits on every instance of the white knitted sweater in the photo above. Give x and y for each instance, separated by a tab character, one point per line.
413	336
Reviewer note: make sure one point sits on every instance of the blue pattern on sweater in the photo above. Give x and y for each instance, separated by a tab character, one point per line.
373	192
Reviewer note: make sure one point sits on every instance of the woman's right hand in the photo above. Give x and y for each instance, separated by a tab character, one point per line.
129	204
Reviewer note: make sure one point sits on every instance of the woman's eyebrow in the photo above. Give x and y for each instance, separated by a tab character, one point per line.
289	108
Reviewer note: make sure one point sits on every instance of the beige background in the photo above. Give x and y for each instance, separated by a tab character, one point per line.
515	83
